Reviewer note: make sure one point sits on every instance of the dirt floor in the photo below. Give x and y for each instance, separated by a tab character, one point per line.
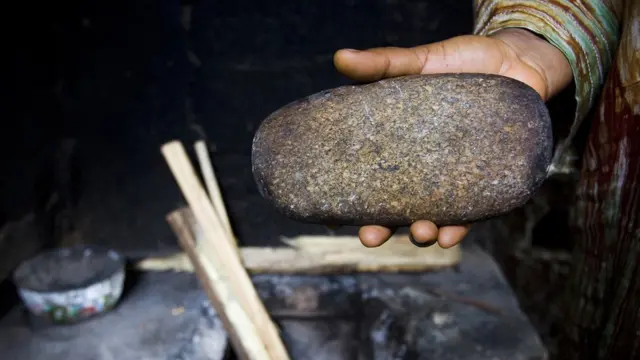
462	313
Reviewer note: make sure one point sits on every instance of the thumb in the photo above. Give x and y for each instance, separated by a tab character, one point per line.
379	63
460	54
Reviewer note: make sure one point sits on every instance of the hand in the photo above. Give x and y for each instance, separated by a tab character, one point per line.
515	53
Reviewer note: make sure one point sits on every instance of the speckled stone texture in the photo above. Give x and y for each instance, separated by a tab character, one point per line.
451	148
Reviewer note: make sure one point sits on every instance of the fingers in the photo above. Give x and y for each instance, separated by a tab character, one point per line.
374	235
427	233
449	236
424	233
378	63
462	54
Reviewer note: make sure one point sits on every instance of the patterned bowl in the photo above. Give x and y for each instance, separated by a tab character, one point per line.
70	284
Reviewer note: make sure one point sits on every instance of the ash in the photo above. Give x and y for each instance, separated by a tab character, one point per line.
57	271
447	315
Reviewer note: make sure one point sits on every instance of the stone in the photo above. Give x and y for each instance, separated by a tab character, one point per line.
450	148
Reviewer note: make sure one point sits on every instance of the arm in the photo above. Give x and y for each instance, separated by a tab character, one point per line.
585	31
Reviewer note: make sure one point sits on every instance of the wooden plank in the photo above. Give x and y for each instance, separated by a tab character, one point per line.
311	254
211	182
241	330
220	248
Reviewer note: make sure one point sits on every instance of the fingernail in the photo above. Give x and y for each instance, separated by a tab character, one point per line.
419	244
352	50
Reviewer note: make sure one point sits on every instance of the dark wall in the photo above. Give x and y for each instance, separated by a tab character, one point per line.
95	87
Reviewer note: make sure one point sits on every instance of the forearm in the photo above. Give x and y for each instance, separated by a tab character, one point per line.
584	31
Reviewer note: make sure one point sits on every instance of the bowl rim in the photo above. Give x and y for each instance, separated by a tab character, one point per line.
114	256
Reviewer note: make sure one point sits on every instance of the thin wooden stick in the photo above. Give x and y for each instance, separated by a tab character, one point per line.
242	332
211	183
322	254
224	252
286	260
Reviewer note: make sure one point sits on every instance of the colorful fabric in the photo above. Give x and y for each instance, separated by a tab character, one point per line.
601	40
585	31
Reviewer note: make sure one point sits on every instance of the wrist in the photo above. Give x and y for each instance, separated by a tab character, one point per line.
541	55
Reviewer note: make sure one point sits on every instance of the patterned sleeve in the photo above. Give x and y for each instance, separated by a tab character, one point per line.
586	31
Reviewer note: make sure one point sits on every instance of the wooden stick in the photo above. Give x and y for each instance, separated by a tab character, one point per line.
242	332
322	254
223	252
211	183
286	260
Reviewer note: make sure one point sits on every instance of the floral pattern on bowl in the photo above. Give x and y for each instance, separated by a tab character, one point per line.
70	284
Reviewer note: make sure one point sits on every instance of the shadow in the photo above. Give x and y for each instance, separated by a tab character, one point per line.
9	298
131	278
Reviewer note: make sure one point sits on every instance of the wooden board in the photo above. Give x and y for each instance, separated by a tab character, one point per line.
312	254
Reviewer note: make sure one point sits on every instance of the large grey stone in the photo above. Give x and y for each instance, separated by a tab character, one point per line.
451	148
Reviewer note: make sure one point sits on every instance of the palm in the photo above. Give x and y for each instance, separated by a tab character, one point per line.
464	54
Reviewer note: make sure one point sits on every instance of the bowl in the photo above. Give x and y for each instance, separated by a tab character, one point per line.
70	284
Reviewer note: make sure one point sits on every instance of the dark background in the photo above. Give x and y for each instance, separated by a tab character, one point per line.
93	88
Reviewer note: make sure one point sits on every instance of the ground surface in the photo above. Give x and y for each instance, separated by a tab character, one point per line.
381	317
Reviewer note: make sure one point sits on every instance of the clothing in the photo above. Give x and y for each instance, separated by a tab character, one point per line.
601	40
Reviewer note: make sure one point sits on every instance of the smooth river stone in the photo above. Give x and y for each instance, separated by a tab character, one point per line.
450	148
